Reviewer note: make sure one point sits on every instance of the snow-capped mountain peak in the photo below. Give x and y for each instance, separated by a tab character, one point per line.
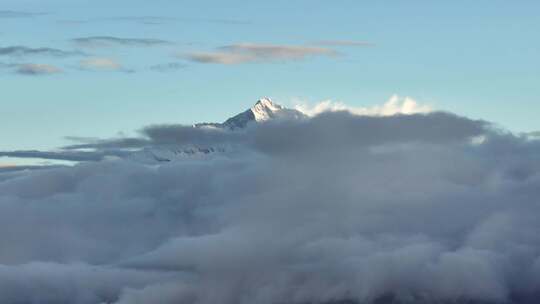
265	109
262	111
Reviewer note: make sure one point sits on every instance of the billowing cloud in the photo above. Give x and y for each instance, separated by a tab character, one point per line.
22	51
336	208
258	53
395	105
108	41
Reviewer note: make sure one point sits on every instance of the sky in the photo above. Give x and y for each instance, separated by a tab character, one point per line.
406	168
103	68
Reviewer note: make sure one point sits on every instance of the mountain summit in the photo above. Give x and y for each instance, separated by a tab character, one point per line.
262	111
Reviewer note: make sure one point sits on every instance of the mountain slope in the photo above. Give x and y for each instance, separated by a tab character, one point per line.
264	110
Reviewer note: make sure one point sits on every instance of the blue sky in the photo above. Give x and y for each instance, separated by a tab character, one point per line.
475	58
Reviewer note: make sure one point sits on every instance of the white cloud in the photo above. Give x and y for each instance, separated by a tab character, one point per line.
395	105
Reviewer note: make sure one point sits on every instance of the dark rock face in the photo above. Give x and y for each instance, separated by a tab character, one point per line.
240	121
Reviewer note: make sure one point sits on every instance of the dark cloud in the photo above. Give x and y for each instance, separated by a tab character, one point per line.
296	136
258	53
424	208
107	41
22	51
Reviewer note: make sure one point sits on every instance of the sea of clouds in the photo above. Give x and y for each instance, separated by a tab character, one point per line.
418	208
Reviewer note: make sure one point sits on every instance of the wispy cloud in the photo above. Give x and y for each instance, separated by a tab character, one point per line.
109	41
258	53
148	20
18	14
31	69
156	20
167	67
37	69
345	43
103	64
56	155
21	51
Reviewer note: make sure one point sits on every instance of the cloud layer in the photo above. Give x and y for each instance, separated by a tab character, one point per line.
339	206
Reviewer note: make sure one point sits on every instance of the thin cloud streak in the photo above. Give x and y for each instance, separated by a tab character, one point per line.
157	20
78	156
37	69
168	67
345	43
103	64
23	51
258	53
110	41
18	14
31	69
